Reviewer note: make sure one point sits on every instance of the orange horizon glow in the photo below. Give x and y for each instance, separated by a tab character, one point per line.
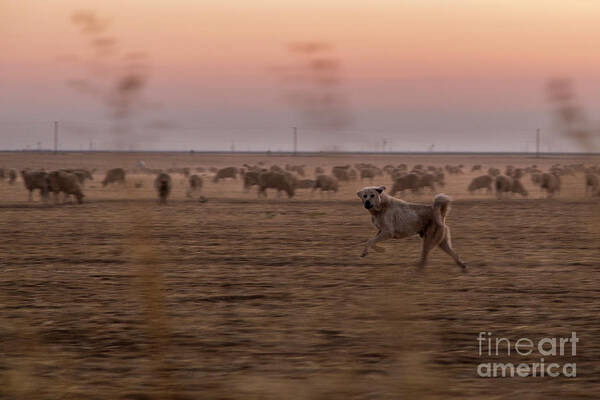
393	53
383	38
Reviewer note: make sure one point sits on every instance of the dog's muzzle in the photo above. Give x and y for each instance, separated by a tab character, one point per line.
368	205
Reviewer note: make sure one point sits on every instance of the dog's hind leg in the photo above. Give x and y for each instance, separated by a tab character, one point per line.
371	243
446	245
432	237
378	249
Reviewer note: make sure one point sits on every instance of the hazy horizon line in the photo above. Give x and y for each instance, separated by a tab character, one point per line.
308	153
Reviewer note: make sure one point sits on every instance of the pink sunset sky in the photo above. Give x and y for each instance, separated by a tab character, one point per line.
462	75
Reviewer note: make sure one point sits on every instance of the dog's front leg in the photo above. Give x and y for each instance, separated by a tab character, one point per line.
380	236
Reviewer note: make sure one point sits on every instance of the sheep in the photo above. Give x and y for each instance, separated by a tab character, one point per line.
397	173
517	187
249	167
326	183
389	169
115	175
410	181
346	167
454	169
493	171
276	180
368	173
251	179
299	169
427	180
162	184
562	170
341	173
439	178
476	167
352	174
417	169
195	184
591	184
517	173
532	170
504	185
372	171
66	182
361	165
12	176
481	182
82	174
536	178
35	180
227	172
550	183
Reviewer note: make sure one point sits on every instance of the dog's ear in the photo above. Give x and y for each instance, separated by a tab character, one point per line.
358	194
380	189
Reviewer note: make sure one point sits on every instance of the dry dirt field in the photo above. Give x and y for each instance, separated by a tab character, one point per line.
246	298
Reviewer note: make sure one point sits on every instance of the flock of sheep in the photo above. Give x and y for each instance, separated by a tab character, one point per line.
292	178
67	181
549	182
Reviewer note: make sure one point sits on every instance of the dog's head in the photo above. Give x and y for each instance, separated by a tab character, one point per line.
371	197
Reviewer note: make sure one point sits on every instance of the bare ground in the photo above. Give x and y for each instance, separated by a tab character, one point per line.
239	298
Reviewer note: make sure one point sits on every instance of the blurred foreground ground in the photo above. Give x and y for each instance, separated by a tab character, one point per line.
240	298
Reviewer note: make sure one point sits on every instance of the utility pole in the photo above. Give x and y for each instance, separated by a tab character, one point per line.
55	137
91	145
295	140
537	143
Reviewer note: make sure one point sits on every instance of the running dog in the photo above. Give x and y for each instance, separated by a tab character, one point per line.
395	218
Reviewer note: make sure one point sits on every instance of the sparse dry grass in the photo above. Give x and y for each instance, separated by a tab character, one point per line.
239	298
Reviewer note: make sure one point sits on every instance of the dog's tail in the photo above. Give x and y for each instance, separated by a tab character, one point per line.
441	207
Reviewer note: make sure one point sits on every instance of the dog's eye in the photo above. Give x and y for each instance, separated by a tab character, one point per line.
372	195
365	196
